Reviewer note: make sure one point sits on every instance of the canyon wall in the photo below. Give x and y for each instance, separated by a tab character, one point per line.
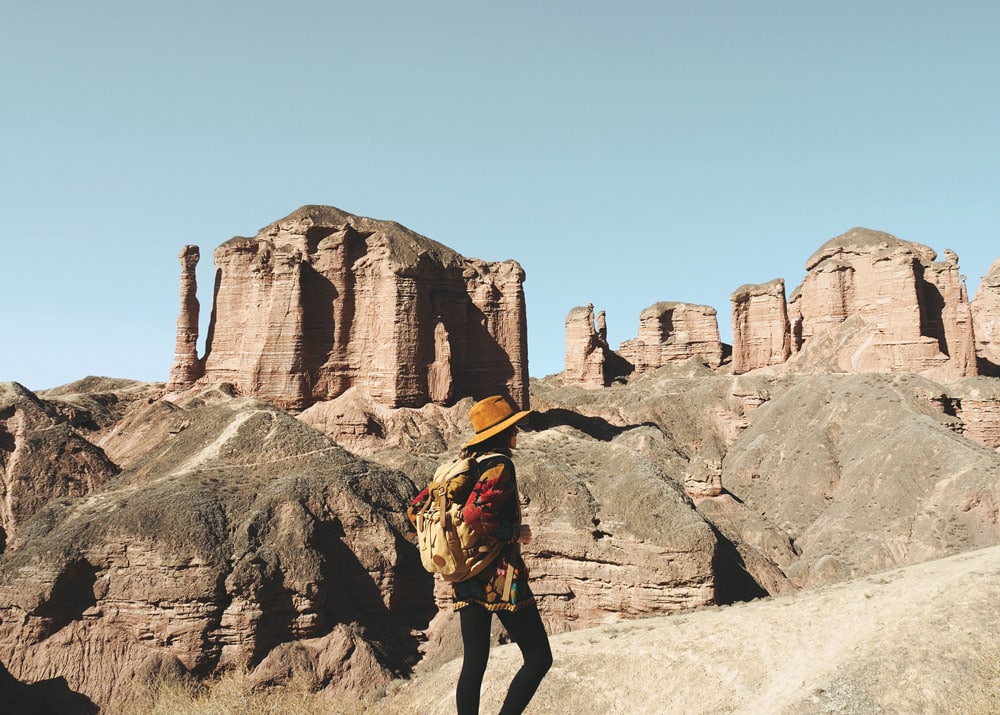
322	301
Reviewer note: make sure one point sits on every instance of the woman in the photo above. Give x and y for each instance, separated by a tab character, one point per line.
493	508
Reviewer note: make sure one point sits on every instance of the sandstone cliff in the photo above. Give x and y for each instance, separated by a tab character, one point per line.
673	332
590	361
871	302
322	301
986	319
761	332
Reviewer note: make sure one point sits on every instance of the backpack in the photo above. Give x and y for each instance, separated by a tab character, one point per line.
449	546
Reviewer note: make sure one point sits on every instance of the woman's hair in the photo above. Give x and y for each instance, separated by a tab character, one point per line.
499	442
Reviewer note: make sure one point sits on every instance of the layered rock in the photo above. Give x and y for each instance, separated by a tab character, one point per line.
42	458
876	303
761	332
971	407
986	319
238	536
322	301
674	332
187	367
609	543
590	362
863	474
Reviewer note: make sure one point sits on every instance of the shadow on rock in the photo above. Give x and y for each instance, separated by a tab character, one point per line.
596	427
45	696
733	581
357	598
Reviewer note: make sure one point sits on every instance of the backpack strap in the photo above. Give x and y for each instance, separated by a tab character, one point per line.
508	582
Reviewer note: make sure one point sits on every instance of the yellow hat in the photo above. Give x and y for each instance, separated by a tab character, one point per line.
492	416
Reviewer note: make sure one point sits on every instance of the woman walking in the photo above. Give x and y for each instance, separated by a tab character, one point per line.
493	509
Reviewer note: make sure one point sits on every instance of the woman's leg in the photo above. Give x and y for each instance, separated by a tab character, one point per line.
475	623
526	629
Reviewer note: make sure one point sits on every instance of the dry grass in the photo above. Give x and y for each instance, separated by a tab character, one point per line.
980	695
233	693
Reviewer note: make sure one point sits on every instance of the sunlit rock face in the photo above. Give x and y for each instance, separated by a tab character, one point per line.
187	367
986	319
871	302
590	361
322	301
761	334
671	332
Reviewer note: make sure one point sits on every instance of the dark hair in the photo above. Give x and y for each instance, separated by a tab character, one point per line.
499	442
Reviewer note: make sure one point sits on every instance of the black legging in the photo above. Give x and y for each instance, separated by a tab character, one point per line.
525	628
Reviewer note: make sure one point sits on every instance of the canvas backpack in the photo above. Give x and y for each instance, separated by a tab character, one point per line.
449	546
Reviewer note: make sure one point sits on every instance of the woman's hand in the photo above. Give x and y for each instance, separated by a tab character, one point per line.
525	534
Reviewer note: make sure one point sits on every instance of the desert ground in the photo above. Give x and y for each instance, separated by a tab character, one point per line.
922	639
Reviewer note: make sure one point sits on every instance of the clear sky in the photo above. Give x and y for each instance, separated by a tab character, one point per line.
624	153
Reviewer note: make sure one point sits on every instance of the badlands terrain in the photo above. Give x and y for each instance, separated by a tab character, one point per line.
805	521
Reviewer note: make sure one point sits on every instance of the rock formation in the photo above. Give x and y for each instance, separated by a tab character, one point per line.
761	333
187	367
590	362
674	332
971	407
864	474
876	303
41	458
322	301
986	319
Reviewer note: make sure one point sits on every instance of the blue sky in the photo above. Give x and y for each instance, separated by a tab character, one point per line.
625	153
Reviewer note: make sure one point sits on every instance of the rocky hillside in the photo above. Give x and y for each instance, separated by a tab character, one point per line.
232	534
218	529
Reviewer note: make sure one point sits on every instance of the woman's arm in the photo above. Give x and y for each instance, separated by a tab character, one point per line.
484	509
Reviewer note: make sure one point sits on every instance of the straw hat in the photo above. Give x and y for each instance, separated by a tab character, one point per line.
492	416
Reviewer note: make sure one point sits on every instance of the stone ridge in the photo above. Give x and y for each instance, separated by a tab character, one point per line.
236	531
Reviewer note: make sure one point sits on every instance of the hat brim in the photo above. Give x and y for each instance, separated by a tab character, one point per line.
497	428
